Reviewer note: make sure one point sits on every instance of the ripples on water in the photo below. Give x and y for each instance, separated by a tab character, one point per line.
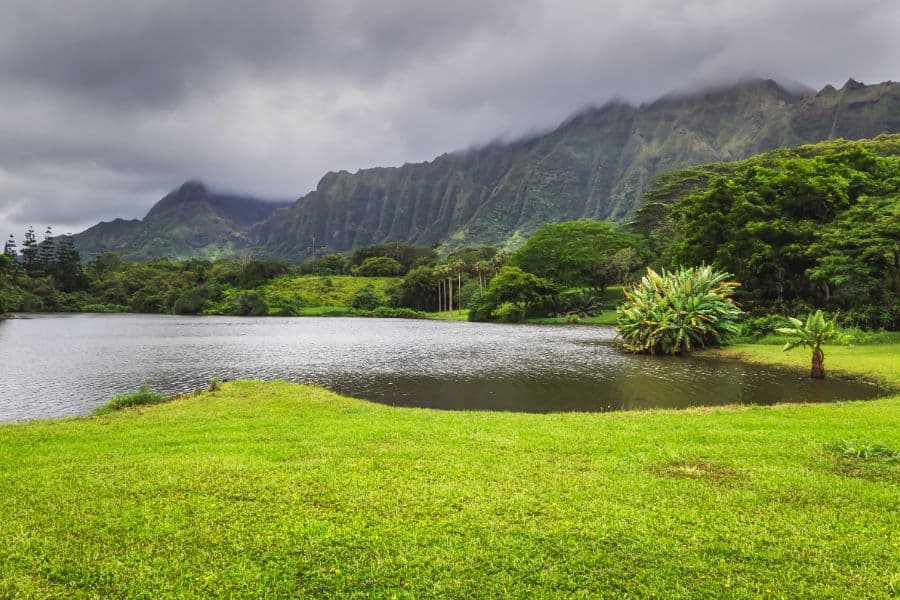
56	365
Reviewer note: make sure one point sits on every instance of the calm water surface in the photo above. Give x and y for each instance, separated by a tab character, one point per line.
58	365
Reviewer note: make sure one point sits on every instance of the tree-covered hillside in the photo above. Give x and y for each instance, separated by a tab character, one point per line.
190	222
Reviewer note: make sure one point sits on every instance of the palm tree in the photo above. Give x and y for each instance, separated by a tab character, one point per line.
482	268
813	334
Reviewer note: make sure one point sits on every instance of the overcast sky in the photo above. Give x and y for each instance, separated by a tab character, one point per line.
109	104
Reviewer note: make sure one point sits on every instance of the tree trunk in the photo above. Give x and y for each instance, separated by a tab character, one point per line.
818	365
450	281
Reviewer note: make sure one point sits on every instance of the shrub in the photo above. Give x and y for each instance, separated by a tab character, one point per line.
388	312
759	327
141	397
582	303
366	298
190	302
247	304
509	313
480	307
674	312
468	290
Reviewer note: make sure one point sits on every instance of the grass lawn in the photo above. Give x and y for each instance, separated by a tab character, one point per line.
879	362
276	489
456	315
607	317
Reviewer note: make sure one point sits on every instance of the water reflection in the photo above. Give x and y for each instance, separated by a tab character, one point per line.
56	365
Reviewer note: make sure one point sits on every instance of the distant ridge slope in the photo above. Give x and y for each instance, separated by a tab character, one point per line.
595	165
190	222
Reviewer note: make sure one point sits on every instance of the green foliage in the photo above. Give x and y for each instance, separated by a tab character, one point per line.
407	255
379	266
247	304
298	295
675	312
866	452
143	396
390	312
511	286
509	313
580	253
480	308
418	290
816	331
817	224
465	294
331	264
813	334
190	302
580	303
366	299
753	329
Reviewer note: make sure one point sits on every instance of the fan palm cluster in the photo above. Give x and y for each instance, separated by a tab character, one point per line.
674	312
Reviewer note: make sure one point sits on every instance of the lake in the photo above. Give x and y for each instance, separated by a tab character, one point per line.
60	365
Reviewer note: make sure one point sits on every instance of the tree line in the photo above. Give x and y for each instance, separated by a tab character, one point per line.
817	227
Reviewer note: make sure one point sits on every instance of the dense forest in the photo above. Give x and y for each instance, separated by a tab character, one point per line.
813	227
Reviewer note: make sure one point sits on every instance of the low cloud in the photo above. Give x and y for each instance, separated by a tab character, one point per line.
109	105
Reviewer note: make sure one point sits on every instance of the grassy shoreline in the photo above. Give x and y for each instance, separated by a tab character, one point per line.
287	490
877	363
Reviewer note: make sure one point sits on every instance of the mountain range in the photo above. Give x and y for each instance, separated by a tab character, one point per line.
596	165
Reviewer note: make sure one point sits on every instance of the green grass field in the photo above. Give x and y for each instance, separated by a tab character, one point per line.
607	317
275	490
878	362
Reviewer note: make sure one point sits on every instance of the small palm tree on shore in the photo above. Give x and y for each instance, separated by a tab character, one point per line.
816	331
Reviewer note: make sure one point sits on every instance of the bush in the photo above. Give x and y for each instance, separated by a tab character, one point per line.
103	308
480	308
511	286
509	313
141	397
366	298
468	291
379	266
388	312
418	290
190	302
248	304
759	327
674	312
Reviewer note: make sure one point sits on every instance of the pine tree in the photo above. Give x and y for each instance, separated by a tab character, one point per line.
46	257
9	249
29	250
69	275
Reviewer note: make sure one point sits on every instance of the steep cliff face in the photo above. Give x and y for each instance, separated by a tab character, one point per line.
595	165
190	222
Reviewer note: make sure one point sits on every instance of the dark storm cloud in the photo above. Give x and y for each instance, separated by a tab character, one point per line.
109	104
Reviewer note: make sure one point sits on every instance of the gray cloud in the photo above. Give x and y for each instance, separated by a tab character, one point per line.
108	104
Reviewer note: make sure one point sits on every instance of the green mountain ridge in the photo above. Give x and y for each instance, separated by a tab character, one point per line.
190	222
597	164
